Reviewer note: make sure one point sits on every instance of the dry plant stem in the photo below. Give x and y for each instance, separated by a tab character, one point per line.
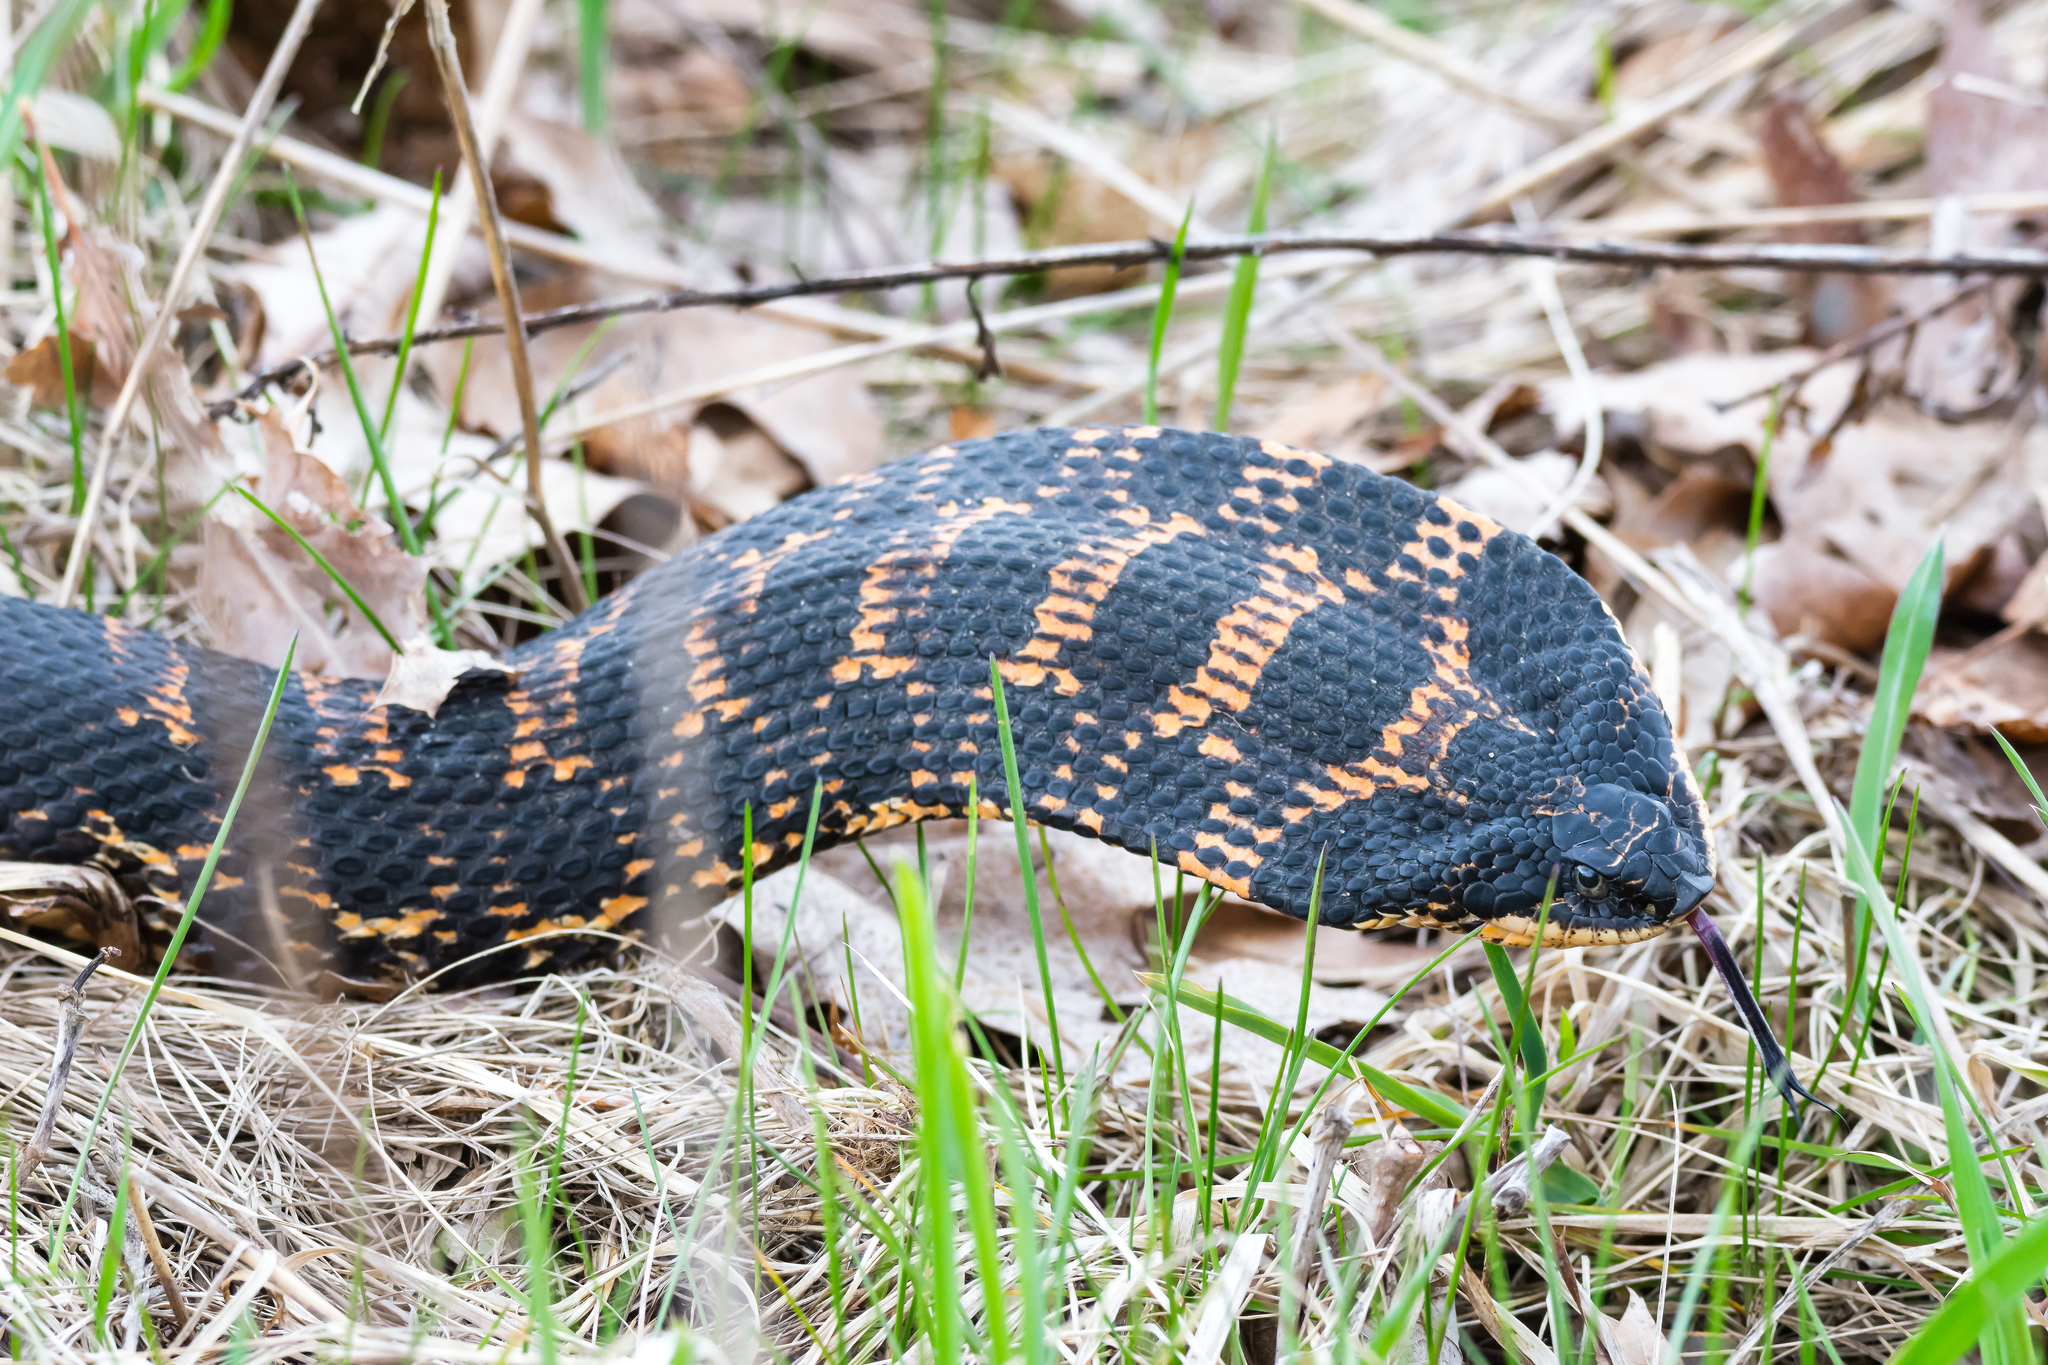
1330	1132
442	36
1871	1226
1862	345
138	1208
508	58
286	1280
1611	137
1455	67
1508	1187
196	242
1797	256
1093	156
70	1023
1869	211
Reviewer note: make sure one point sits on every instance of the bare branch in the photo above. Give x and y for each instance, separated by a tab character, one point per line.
450	64
1634	255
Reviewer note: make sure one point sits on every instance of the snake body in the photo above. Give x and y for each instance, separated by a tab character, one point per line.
1278	671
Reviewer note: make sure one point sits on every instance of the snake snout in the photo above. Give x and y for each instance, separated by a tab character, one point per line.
1625	843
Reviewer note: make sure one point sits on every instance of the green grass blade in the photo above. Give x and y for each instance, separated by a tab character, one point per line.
593	60
1759	494
2026	775
48	220
1244	286
412	313
347	589
932	1037
1024	872
32	61
1163	314
407	536
1906	644
211	34
1992	1289
2004	1339
1535	1060
1440	1109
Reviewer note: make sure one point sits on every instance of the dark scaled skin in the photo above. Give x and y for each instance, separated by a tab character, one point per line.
1255	659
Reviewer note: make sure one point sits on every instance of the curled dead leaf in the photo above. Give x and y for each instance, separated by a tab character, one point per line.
40	369
423	675
2004	689
258	586
1806	590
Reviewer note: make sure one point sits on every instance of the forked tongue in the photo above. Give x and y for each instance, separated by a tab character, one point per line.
1775	1064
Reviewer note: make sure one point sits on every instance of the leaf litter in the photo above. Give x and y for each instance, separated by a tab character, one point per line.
309	1162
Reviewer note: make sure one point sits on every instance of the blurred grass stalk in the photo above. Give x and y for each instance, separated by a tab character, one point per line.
1244	287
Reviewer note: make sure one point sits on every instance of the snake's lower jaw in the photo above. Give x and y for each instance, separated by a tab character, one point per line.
1776	1064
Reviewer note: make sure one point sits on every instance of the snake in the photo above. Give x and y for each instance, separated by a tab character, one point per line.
1311	686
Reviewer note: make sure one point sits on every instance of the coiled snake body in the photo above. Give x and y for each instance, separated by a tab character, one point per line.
1256	660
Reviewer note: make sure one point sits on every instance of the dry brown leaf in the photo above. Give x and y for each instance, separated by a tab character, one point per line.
587	187
1320	420
1895	478
736	468
969	423
2029	601
1072	208
1636	1339
863	34
827	423
1239	931
664	95
1807	591
369	263
1805	172
2005	689
108	274
1980	140
2005	572
1674	409
257	587
423	675
1513	503
40	369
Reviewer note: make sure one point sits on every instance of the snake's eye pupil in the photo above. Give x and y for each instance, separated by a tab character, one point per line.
1589	884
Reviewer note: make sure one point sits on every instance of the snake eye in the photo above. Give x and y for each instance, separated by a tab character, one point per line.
1590	885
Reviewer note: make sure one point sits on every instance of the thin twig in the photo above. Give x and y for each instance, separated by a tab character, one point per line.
1869	341
196	242
138	1206
449	61
1797	256
287	1281
70	1023
508	59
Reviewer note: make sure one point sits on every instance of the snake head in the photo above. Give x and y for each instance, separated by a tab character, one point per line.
1626	866
1623	846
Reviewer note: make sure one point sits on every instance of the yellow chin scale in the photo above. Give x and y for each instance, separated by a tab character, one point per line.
1519	931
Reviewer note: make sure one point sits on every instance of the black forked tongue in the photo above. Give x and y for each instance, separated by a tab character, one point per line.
1775	1064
